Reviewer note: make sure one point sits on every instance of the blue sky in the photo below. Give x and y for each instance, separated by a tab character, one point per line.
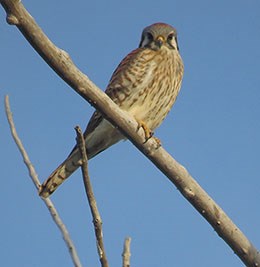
213	130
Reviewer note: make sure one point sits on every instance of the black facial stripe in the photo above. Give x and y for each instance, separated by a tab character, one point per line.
169	42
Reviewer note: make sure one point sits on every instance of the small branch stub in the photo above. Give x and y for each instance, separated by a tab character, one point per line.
12	20
126	252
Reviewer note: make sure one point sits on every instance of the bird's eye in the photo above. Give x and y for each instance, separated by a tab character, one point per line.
147	39
170	37
149	36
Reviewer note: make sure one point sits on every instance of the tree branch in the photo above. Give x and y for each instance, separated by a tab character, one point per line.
126	252
61	63
54	213
91	199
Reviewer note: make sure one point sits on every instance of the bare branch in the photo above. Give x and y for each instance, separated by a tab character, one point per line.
54	213
126	252
60	62
91	199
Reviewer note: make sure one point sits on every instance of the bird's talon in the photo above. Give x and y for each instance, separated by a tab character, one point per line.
158	141
147	132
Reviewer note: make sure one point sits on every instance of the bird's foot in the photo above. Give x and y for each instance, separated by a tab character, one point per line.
158	142
147	132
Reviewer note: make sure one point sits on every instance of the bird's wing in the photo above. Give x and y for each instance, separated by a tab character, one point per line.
113	88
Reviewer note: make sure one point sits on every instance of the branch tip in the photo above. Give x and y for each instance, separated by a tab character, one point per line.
126	252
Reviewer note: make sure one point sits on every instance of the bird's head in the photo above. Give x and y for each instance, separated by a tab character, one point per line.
158	35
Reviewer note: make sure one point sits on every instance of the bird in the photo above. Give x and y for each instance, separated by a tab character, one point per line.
145	84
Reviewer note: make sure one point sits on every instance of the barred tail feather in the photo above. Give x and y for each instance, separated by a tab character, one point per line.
64	170
100	139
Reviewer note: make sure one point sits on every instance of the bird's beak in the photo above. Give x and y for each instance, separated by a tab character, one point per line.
159	41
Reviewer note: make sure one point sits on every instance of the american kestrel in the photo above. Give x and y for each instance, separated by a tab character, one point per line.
145	84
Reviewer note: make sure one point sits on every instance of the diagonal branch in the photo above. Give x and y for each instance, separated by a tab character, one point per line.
54	213
61	63
91	199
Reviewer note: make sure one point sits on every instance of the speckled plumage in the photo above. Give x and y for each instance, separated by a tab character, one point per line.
145	84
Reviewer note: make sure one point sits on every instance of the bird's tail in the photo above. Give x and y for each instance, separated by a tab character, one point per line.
65	169
96	142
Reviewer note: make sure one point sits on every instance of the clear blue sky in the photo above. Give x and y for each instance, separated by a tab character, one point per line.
213	130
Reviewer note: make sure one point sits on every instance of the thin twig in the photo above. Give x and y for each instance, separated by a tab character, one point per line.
61	63
97	221
33	175
126	252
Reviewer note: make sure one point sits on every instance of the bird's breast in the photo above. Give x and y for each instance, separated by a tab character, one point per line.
147	84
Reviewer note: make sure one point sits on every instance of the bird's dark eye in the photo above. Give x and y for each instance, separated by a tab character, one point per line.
170	37
146	40
149	36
